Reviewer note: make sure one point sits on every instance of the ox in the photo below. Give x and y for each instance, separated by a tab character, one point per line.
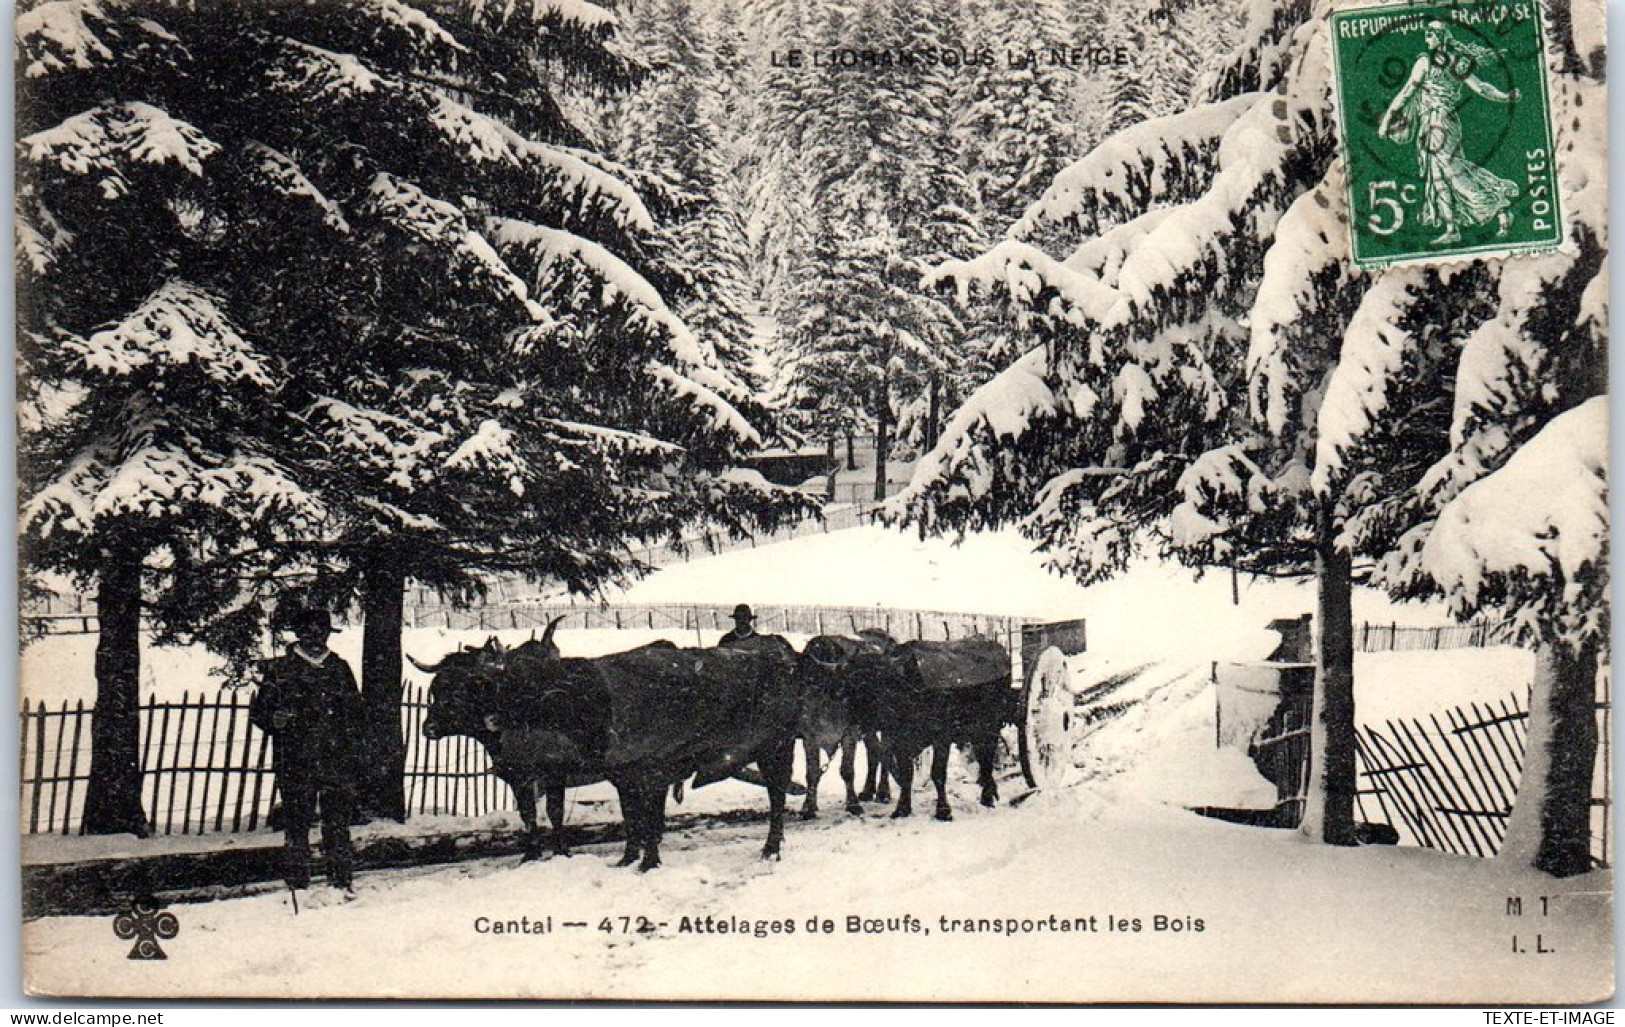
919	694
643	720
827	723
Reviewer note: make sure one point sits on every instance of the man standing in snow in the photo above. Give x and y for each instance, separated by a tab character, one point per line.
744	626
310	705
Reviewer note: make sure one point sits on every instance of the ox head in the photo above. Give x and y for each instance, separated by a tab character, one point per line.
465	686
846	669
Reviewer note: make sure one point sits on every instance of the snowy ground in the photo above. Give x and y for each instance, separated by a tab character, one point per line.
1260	915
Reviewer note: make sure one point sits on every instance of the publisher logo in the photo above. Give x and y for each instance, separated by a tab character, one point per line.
145	923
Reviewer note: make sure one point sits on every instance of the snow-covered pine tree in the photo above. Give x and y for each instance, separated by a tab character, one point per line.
454	363
1320	422
886	207
1015	132
786	115
669	127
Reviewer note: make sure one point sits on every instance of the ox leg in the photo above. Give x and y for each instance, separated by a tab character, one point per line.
555	816
939	777
901	764
878	766
654	827
775	767
632	816
986	753
524	794
849	764
814	754
873	758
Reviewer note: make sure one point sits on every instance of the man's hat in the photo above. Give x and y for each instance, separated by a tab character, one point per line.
310	617
742	612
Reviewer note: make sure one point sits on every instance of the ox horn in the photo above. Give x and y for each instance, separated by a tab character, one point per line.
552	625
427	668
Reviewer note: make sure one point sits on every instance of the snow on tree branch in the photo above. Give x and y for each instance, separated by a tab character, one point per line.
394	28
1373	353
179	325
78	35
1537	525
1263	50
995	417
389	444
626	442
558	261
548	178
1263	153
1103	255
506	13
307	74
41	238
159	479
491	450
1305	270
1032	279
112	143
279	175
1152	163
720	416
442	227
577	183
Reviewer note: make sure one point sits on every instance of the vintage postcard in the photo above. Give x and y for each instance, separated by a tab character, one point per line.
986	501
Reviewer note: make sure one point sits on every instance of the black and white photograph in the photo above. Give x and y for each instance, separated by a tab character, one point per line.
813	501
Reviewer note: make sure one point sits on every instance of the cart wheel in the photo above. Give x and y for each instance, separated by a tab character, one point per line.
1046	748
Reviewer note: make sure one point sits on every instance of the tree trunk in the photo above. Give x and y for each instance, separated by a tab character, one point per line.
1550	825
1328	813
113	796
383	596
831	466
882	455
851	452
933	413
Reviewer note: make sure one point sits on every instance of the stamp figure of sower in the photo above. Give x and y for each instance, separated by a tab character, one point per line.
1456	192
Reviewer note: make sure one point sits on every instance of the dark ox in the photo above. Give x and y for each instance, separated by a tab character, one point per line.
827	723
919	694
463	701
643	720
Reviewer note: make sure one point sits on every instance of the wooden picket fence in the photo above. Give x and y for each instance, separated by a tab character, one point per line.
1451	784
207	770
1383	638
709	619
450	775
204	767
76	614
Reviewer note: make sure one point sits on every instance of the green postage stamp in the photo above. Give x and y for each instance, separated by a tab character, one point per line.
1446	131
